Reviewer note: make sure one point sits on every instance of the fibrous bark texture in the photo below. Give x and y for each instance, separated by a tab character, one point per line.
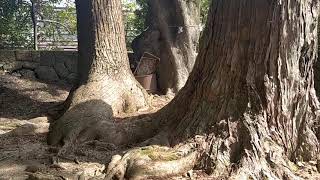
249	106
105	76
172	34
104	65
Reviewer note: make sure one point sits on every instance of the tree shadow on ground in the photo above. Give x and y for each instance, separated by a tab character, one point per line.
60	85
93	121
91	152
25	99
24	152
17	106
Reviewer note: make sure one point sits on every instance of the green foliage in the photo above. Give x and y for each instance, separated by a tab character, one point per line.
141	13
57	23
204	8
15	24
134	18
68	16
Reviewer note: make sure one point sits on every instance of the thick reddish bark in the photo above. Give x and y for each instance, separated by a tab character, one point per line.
252	84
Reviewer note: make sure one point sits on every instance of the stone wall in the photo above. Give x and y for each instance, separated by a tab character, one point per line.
49	66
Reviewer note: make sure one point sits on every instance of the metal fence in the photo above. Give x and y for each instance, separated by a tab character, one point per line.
56	37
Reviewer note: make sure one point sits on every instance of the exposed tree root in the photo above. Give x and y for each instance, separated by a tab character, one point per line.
248	107
94	121
151	162
93	105
121	94
249	148
263	159
57	111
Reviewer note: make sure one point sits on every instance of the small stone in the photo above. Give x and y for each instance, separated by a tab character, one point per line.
82	177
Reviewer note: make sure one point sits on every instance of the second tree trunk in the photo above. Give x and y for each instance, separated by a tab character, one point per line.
172	34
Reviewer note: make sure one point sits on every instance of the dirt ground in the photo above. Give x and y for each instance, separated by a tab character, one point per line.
24	154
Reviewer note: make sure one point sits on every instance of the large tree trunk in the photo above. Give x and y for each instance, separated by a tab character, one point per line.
172	34
105	76
104	65
249	106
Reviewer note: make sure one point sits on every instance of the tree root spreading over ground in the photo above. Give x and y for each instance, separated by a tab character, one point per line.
24	153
